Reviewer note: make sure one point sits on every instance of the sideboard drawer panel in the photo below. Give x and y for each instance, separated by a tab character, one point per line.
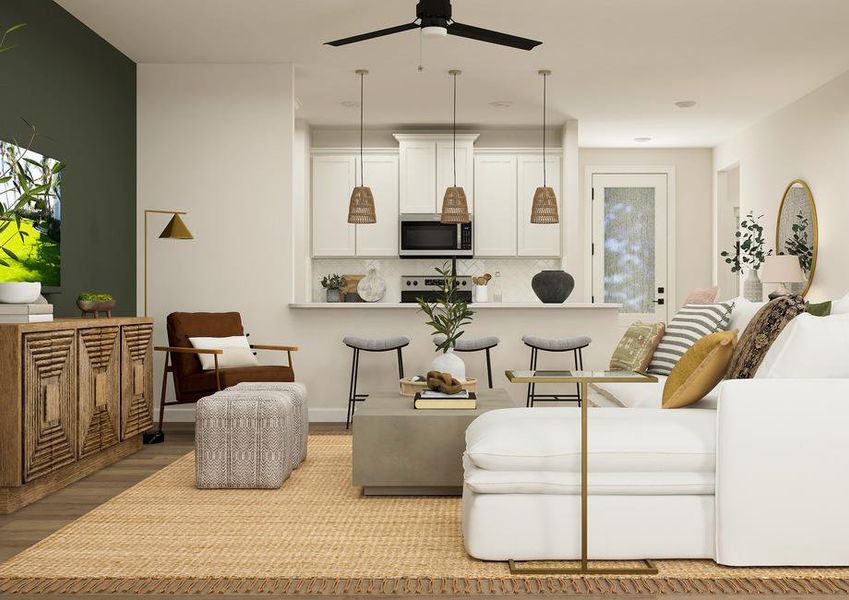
99	352
136	379
49	398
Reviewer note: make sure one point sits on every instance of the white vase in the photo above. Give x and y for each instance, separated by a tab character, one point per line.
481	293
753	289
449	362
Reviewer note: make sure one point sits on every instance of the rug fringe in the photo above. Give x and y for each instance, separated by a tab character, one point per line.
453	586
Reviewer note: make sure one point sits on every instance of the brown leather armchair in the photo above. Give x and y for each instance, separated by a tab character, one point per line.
191	382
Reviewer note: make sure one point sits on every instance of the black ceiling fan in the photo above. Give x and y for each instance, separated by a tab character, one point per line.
433	17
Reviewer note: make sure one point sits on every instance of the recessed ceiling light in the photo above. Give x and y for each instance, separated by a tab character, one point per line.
500	104
642	140
685	103
350	103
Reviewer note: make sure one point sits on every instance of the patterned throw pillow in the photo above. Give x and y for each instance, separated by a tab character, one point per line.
761	333
637	346
688	326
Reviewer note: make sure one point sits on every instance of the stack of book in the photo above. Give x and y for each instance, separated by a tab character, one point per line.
431	400
26	313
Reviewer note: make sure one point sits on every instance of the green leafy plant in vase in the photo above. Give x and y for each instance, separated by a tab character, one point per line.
333	284
446	317
748	255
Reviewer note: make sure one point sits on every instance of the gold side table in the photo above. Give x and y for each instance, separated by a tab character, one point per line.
584	379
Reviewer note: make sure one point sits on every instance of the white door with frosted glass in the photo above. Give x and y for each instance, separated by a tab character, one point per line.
629	237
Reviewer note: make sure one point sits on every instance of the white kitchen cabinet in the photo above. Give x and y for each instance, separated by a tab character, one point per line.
495	205
534	239
426	169
381	175
332	183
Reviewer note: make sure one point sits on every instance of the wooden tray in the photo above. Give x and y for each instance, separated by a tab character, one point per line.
410	388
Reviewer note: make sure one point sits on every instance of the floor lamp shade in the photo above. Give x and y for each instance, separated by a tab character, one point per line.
176	230
361	208
544	207
455	208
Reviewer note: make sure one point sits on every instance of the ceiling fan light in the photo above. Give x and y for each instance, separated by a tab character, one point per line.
361	208
544	207
455	208
434	31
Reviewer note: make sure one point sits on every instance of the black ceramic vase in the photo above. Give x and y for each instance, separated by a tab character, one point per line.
553	287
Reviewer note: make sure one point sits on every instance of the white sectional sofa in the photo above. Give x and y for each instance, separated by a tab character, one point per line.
757	473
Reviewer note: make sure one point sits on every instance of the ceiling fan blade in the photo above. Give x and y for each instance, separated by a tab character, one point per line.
373	34
493	37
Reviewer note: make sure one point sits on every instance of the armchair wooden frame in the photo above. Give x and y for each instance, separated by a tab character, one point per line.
215	352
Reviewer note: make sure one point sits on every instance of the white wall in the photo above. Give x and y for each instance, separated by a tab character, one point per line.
694	211
808	139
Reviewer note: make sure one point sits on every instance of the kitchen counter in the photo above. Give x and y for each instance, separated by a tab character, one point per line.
473	306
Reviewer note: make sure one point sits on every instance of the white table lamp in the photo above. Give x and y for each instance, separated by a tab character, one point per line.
782	269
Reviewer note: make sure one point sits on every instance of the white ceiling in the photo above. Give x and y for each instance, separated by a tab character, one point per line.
618	65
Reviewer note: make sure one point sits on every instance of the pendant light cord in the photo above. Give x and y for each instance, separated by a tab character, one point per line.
362	181
544	94
454	139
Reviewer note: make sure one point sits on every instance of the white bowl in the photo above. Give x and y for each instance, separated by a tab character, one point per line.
19	292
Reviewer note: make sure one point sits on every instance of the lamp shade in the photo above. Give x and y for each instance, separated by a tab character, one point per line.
782	268
176	230
361	208
544	207
455	208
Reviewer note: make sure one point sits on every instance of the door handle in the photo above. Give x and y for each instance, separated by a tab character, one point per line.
659	301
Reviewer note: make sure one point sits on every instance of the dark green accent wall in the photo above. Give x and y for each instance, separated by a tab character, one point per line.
80	92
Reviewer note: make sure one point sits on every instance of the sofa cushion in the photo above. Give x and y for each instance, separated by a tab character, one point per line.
761	333
699	370
809	348
840	306
742	312
549	439
819	309
689	325
637	346
604	483
647	395
702	296
237	352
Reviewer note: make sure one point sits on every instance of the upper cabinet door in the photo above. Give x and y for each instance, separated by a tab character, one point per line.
332	184
381	238
495	205
445	170
534	239
418	176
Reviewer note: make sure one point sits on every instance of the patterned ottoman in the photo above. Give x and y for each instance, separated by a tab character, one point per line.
297	394
245	439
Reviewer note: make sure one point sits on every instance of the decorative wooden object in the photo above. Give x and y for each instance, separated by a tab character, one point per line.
95	307
75	395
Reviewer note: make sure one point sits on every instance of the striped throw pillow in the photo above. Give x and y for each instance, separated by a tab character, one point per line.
688	326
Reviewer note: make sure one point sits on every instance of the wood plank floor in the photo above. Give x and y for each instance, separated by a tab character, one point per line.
35	522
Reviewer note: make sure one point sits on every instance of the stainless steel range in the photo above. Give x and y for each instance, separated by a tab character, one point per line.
427	287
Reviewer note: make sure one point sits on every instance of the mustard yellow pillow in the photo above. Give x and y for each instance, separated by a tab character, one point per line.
700	369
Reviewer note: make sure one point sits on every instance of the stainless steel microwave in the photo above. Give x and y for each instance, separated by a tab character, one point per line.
421	235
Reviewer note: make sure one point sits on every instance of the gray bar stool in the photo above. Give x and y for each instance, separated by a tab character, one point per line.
474	344
571	344
359	344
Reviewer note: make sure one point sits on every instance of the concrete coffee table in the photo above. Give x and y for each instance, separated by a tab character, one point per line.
401	451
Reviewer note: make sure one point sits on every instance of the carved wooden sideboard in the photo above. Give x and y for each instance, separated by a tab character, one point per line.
75	396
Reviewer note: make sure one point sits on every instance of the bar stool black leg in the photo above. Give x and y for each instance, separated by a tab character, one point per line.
400	365
532	386
352	391
488	369
578	367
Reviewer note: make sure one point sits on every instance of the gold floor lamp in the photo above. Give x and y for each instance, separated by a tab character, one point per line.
174	230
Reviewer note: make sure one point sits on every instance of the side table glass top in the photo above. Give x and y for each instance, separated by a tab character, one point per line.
517	376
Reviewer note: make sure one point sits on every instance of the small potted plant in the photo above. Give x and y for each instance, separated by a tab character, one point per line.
333	283
95	303
749	254
447	316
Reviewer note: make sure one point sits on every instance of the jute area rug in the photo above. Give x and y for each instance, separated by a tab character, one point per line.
319	535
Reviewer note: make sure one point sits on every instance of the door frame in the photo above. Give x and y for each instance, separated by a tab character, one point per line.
671	223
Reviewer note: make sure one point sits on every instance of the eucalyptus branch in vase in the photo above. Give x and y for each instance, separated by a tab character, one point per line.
749	251
448	315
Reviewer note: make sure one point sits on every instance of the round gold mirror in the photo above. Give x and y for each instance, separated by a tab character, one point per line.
796	231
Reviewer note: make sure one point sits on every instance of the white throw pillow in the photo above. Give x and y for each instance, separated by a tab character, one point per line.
809	347
840	307
237	352
743	312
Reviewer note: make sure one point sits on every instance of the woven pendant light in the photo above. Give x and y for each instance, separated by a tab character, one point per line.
455	208
361	207
544	207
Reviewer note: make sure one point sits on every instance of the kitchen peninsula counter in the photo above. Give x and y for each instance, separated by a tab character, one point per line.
473	306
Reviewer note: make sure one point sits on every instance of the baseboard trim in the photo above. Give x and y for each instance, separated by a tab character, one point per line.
186	414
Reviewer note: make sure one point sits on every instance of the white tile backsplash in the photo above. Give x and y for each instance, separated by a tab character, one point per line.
516	273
